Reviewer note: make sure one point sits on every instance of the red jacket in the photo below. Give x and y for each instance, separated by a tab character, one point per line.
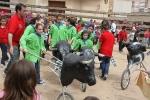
122	35
78	28
107	41
3	32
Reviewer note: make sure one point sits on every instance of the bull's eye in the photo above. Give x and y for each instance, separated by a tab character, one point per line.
138	46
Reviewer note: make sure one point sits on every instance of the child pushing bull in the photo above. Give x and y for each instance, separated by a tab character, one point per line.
34	44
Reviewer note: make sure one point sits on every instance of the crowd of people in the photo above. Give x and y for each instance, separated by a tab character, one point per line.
40	33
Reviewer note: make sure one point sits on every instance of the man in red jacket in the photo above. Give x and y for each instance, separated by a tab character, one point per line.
16	26
107	41
122	36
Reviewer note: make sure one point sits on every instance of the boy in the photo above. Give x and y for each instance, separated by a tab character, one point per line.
3	30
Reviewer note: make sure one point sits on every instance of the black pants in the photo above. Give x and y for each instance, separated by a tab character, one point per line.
46	46
121	45
4	53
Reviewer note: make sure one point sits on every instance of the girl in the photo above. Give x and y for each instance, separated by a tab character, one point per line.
146	37
84	41
31	28
20	82
3	30
97	35
34	43
90	30
57	31
70	29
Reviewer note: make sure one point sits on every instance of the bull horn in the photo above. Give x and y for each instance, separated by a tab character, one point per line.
125	42
101	55
79	53
97	62
87	62
52	49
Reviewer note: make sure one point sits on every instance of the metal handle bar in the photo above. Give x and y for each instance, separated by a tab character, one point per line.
42	58
59	61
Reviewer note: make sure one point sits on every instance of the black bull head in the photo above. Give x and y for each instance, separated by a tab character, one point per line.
80	67
135	53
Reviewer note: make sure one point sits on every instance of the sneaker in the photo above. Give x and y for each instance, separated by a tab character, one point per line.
7	60
2	65
4	73
105	77
100	76
41	82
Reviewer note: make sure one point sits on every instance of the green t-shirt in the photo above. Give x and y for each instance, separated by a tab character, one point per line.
57	33
70	32
82	43
34	44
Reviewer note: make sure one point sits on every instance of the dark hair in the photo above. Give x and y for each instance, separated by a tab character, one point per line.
37	25
33	20
19	7
91	98
84	32
91	26
20	81
51	20
124	27
3	18
79	21
83	25
59	16
72	22
104	26
105	22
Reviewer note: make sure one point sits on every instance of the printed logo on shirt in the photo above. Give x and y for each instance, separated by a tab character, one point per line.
20	26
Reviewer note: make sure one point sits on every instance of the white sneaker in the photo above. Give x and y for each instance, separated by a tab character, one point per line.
4	73
2	65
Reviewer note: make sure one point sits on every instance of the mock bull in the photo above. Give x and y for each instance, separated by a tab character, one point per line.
80	67
135	53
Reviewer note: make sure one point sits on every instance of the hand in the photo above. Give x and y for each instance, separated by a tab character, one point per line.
11	50
24	50
49	41
43	51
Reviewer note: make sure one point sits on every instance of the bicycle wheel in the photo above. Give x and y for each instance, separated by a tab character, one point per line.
83	87
125	79
68	96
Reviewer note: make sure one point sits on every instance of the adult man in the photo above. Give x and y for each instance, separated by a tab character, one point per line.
113	27
107	42
16	26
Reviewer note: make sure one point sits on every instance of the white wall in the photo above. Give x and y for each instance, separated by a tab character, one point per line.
122	6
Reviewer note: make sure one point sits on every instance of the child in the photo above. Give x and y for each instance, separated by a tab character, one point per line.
90	31
34	43
70	29
31	28
57	31
20	82
122	36
84	41
3	30
97	35
146	37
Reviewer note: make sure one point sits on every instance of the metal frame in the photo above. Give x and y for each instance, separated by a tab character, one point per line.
58	63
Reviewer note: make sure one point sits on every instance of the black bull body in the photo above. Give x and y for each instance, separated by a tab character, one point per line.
135	53
80	67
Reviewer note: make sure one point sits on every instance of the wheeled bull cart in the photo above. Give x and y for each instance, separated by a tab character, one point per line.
126	75
57	71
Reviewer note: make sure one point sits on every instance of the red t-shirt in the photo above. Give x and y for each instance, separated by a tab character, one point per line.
107	41
16	26
3	32
78	28
122	35
147	35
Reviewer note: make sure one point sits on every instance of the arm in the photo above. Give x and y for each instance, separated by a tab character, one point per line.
78	36
76	45
50	34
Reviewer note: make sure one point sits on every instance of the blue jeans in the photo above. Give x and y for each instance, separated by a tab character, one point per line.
13	57
37	68
105	66
4	53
